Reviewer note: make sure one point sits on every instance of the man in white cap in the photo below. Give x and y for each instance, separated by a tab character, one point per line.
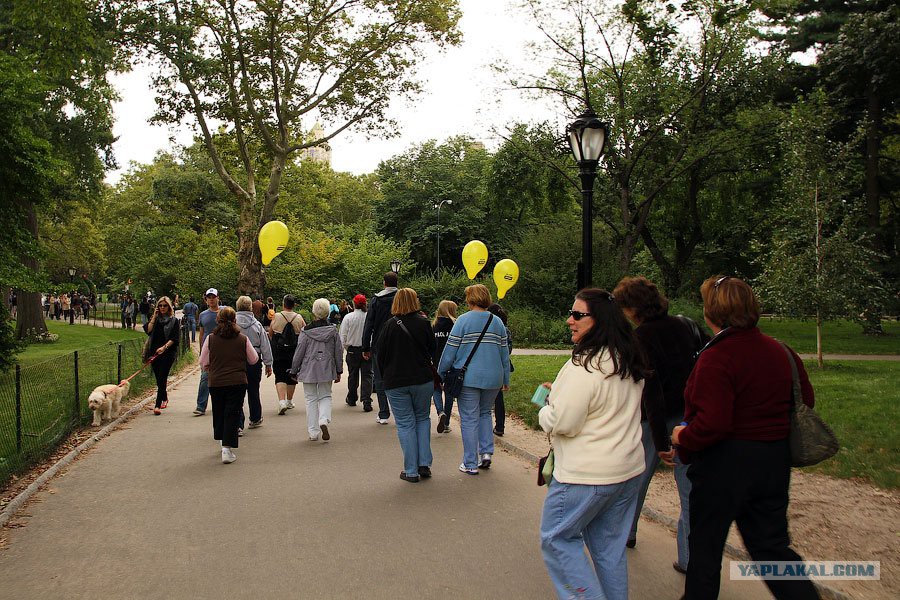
207	322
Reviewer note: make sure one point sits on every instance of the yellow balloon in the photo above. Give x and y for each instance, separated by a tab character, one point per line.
474	257
273	238
506	274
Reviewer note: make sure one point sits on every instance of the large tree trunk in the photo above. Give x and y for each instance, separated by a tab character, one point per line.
252	279
29	312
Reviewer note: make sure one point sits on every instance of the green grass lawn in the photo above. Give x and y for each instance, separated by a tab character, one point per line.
838	337
75	337
858	399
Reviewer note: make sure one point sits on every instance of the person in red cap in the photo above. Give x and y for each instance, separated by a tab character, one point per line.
360	369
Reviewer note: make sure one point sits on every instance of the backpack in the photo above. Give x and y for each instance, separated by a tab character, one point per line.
287	341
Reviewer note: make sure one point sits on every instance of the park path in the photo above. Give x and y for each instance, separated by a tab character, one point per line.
151	512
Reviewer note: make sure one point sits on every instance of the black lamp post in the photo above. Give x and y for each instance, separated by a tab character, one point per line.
71	308
587	138
395	266
438	206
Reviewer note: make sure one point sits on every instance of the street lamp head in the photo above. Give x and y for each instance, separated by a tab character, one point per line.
71	271
395	266
587	138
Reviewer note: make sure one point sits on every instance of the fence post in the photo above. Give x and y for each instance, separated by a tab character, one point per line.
119	363
18	408
77	399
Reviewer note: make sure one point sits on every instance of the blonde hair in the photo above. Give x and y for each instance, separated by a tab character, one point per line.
478	295
406	301
321	308
243	303
447	308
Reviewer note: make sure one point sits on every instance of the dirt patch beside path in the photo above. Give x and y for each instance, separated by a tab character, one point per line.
830	519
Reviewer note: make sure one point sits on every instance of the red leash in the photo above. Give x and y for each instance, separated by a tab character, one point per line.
152	358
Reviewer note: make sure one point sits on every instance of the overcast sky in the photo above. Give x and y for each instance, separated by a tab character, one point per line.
462	96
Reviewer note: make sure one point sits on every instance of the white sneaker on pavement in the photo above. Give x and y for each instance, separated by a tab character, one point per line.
282	407
228	456
381	421
290	404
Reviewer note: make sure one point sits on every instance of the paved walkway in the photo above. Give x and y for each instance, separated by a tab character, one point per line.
151	512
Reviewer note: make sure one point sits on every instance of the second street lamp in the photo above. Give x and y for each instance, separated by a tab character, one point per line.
587	139
395	266
438	206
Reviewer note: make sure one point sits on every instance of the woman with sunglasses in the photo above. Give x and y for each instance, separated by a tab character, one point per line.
737	406
164	330
593	417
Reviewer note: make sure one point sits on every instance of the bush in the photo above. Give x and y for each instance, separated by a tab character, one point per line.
451	285
533	329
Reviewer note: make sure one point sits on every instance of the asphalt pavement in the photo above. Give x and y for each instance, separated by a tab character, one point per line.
151	512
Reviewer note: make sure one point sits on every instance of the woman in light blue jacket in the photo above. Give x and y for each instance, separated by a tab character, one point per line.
486	375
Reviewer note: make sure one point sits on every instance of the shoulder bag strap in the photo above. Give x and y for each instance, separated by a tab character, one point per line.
415	341
480	337
796	390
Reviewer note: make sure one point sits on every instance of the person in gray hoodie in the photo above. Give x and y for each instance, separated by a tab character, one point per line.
255	332
318	361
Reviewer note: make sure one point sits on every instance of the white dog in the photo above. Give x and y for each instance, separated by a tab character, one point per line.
105	401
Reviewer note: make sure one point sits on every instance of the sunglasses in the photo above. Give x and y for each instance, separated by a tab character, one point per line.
163	306
578	315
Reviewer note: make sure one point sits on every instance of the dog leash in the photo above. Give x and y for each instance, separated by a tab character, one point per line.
124	381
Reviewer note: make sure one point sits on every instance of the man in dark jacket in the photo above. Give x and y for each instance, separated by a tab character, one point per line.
379	312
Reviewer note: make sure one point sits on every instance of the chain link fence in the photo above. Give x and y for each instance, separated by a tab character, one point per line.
42	403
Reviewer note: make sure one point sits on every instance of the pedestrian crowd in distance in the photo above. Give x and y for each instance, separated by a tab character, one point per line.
641	387
64	306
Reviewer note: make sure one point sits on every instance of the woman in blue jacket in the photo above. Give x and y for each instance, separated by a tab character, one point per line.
486	375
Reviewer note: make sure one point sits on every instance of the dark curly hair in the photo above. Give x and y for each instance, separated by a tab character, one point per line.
642	296
613	332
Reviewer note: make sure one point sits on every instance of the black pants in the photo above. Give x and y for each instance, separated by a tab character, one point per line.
161	367
358	369
227	402
499	412
746	482
254	377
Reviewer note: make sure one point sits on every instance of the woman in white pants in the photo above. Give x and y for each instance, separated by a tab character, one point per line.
318	361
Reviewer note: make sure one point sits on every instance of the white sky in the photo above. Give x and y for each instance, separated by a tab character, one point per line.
461	96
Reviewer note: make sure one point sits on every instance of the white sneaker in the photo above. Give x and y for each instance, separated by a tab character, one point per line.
381	421
240	432
228	456
290	404
282	407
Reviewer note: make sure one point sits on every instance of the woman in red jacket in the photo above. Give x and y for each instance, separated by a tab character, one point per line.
737	410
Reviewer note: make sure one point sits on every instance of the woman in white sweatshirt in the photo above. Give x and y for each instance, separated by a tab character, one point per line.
593	416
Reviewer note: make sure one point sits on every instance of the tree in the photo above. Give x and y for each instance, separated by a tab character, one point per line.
672	82
266	68
415	182
56	118
819	264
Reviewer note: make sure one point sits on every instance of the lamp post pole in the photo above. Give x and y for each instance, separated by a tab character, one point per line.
440	204
587	139
72	294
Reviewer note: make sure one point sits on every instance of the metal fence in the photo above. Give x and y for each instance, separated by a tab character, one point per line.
104	314
40	404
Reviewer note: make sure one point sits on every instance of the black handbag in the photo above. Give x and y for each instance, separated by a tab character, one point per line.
453	380
811	439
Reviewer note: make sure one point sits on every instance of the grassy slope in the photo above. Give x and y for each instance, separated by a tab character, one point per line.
74	337
858	399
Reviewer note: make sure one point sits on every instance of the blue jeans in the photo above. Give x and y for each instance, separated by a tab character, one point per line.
596	516
475	423
203	391
412	406
191	324
651	462
442	404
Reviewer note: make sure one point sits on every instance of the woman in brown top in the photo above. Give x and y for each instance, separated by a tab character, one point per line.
225	355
